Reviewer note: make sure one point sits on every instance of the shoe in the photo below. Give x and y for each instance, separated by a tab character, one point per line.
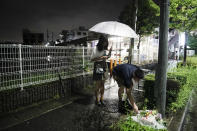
102	103
121	107
122	110
97	103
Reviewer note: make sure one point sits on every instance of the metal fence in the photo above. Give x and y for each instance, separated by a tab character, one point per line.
22	65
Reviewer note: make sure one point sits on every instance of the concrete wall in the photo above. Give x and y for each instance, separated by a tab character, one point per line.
15	98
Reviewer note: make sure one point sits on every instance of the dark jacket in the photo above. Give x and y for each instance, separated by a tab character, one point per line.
125	72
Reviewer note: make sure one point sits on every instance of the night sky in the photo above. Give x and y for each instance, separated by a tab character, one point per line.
54	15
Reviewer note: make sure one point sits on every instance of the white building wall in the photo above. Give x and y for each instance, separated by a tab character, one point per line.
181	43
190	52
148	51
182	38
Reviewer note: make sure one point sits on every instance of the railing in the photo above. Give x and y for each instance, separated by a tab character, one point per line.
22	65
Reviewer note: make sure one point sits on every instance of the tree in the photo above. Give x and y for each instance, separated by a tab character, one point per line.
143	17
147	17
129	17
183	15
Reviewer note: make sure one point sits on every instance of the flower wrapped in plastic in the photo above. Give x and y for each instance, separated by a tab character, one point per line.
150	118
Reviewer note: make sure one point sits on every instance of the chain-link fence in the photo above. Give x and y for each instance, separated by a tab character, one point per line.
22	65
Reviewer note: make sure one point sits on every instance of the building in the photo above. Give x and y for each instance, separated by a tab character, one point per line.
9	42
74	34
76	37
30	38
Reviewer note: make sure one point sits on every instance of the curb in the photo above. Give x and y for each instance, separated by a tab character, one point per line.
185	111
177	122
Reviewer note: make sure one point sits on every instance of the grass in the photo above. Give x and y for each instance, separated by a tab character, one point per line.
192	59
190	73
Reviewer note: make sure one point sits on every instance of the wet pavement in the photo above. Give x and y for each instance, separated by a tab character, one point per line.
81	114
190	122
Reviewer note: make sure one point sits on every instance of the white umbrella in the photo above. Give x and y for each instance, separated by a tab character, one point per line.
114	28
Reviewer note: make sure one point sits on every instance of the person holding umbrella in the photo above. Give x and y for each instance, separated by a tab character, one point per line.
112	28
126	76
99	57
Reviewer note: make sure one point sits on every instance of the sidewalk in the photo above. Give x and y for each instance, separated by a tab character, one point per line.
77	113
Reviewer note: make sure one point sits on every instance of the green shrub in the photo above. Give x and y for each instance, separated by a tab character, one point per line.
172	89
179	86
180	77
187	84
150	101
180	83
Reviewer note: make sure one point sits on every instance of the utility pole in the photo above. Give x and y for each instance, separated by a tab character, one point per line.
52	36
47	35
185	48
161	72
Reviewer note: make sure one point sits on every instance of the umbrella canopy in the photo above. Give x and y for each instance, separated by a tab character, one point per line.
114	28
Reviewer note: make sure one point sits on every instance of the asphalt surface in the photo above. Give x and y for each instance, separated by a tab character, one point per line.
80	115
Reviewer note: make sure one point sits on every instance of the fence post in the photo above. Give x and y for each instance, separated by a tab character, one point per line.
83	60
30	55
21	68
83	56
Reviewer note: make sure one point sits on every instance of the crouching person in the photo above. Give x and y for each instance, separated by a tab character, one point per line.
126	75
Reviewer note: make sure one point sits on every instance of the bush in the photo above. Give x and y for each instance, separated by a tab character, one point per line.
188	82
172	90
179	86
180	83
150	101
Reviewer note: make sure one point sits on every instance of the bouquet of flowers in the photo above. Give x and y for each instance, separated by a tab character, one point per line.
150	118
